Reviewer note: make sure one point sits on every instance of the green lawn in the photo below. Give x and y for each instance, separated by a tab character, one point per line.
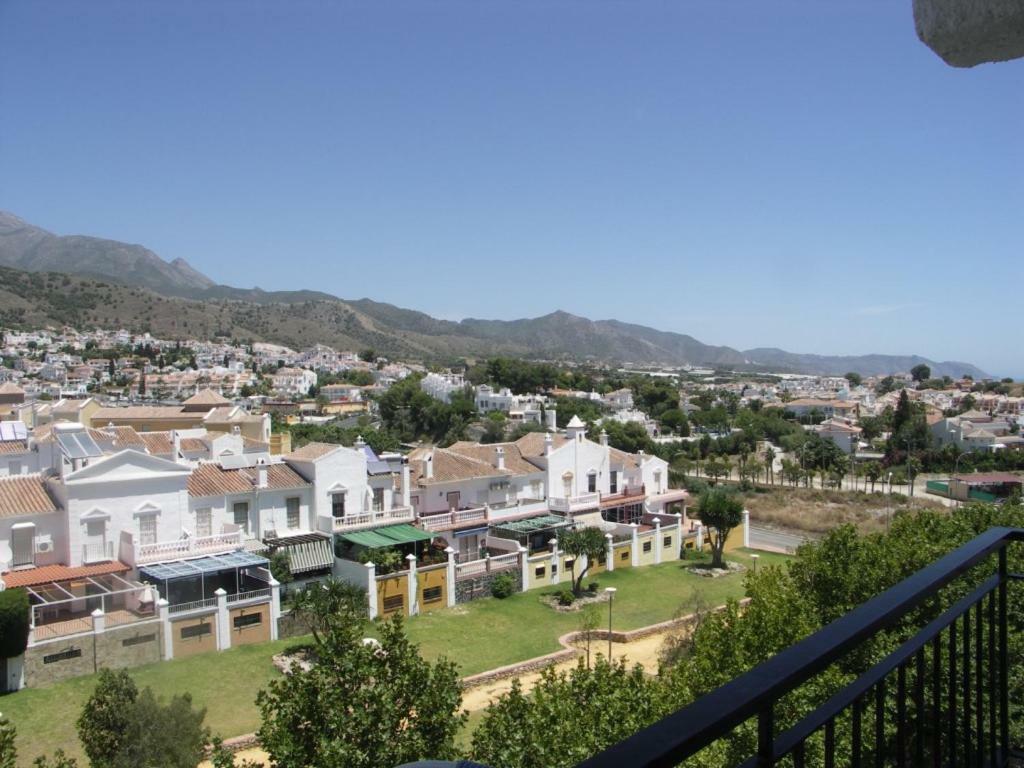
480	635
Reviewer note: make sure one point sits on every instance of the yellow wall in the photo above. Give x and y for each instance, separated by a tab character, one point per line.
436	577
251	633
647	558
393	587
735	538
532	565
190	646
620	561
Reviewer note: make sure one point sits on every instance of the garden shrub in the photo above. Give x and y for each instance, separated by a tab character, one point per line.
503	585
565	597
14	622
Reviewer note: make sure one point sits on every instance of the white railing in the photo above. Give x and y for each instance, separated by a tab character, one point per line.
97	553
448	520
254	594
172	550
487	565
369	519
194	605
574	503
502	562
471	568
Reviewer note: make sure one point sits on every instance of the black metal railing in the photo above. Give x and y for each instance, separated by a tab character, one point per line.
940	697
948	704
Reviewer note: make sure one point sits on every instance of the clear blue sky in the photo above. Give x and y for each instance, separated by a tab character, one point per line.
804	175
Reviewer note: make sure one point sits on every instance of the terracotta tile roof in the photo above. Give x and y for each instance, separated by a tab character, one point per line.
626	459
125	437
211	479
8	447
223	413
10	388
141	412
158	443
44	434
193	444
33	577
207	397
312	451
531	445
450	466
514	461
24	495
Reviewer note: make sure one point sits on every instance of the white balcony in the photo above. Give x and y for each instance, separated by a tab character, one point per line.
99	552
179	548
575	503
457	518
371	519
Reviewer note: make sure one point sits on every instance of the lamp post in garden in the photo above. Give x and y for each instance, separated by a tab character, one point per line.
755	558
610	591
888	501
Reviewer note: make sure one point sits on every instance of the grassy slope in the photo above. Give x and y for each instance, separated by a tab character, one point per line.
478	636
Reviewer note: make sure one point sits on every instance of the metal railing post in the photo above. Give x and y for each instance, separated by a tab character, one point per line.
1004	660
766	737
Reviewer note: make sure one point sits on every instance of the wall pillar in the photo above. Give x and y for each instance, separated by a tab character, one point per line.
700	538
413	585
524	565
555	575
223	625
371	590
679	536
275	606
451	576
746	528
99	621
163	609
657	541
609	552
634	545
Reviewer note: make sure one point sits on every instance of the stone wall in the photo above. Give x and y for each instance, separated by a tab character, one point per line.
476	587
118	647
288	626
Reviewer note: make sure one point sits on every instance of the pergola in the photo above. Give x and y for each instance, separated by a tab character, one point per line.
208	573
53	598
533	532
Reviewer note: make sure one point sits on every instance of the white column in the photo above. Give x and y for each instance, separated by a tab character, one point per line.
223	625
413	584
609	553
99	621
163	610
700	538
275	606
554	561
678	541
371	590
746	528
635	545
657	541
451	576
524	565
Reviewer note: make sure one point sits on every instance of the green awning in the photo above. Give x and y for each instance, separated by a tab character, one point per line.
388	536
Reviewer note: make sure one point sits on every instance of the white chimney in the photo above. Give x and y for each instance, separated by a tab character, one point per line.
176	443
551	417
429	463
499	457
261	474
604	437
236	430
548	444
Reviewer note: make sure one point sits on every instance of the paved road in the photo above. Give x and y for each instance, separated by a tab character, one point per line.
773	540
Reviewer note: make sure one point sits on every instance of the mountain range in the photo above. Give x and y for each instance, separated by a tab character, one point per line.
93	282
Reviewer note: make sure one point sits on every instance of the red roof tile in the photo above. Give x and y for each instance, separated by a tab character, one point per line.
32	577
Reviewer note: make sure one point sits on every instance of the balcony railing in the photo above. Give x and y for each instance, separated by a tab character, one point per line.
370	519
97	553
447	520
940	698
172	550
574	503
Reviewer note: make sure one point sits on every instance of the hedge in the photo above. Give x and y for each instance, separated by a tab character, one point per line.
13	622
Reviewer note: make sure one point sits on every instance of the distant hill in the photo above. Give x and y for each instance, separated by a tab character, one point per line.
111	284
24	246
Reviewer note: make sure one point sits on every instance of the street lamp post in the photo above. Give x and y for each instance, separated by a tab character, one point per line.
888	501
755	558
610	591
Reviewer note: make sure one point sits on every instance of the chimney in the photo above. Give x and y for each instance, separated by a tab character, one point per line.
429	464
176	442
604	437
551	416
499	457
236	430
548	444
261	474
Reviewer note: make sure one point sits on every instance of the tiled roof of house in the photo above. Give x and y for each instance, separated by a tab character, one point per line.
25	495
626	459
125	437
450	466
312	451
44	434
222	413
532	443
141	412
207	397
33	577
514	461
213	480
9	447
10	388
158	443
194	444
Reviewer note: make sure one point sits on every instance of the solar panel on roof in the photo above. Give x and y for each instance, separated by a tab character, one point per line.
78	445
238	462
13	430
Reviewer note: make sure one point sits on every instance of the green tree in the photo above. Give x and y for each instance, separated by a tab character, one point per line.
368	355
59	760
854	379
106	717
720	512
167	735
586	542
8	749
330	608
921	372
362	705
14	622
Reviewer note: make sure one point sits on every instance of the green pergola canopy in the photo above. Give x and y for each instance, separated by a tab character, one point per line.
388	536
532	524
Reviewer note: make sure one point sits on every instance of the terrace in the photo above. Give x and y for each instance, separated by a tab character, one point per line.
62	608
368	519
534	533
190	584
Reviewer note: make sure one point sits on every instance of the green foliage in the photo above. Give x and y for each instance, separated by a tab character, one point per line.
521	376
14	622
567	717
720	511
59	760
503	585
280	567
380	440
580	542
330	608
921	372
363	705
589	411
566	597
222	757
854	378
411	414
8	750
386	559
106	716
168	735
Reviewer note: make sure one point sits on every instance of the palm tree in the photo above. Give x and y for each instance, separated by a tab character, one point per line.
769	464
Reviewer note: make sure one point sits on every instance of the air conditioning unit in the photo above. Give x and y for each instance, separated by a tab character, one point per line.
44	544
